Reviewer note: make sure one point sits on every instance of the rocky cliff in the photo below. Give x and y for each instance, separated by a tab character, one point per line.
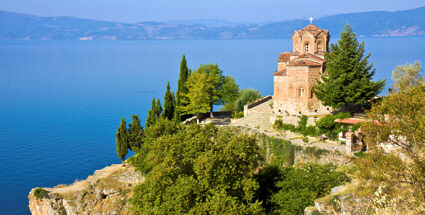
107	191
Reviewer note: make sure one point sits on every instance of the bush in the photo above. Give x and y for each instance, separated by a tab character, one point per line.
299	187
327	126
39	193
311	131
305	139
302	124
289	154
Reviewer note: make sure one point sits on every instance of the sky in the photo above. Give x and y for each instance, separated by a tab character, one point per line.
255	11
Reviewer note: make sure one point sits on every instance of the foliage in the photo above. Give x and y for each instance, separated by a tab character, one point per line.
207	86
311	131
406	76
289	190
267	177
158	108
181	88
289	154
169	104
151	118
278	149
397	176
39	193
327	126
122	140
202	170
135	133
305	139
302	123
348	77
245	96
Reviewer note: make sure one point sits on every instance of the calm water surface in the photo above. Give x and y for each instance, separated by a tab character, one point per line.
61	101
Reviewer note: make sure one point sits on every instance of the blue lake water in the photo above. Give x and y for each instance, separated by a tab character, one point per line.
62	101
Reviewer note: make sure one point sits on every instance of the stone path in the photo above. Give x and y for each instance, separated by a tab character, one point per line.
258	117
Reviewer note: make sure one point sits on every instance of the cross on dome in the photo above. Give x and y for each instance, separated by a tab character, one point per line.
311	20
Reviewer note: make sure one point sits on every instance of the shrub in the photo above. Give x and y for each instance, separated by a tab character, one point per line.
305	139
39	193
326	125
289	154
302	124
311	131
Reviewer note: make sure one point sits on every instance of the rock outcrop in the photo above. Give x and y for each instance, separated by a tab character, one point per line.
107	191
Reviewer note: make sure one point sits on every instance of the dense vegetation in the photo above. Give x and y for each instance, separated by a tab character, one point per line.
237	106
208	170
194	169
325	125
348	76
396	180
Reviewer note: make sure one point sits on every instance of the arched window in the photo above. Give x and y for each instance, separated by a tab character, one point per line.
319	47
301	92
307	47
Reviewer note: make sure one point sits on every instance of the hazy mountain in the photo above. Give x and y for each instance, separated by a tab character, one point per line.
16	26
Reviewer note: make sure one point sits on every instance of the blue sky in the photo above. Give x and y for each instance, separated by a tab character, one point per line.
233	10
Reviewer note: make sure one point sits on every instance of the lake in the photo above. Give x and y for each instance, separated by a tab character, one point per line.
62	101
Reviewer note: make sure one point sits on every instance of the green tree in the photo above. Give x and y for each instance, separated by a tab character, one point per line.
207	86
158	108
151	118
122	141
245	96
406	76
299	187
198	170
169	104
181	88
135	133
399	174
348	76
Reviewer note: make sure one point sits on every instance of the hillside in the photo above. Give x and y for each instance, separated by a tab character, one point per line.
16	26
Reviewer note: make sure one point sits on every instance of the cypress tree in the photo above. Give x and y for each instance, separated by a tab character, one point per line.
348	77
135	133
158	108
181	88
168	104
122	141
150	120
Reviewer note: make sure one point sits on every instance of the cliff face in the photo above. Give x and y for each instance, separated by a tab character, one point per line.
107	191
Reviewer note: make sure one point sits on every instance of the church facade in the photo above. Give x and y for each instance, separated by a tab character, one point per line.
298	72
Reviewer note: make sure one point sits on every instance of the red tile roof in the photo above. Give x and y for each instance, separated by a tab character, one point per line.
312	56
304	63
350	121
280	73
311	27
284	57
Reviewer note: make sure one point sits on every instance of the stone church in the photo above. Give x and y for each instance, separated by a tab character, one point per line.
298	71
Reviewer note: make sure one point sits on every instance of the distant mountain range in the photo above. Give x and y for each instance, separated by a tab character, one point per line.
17	26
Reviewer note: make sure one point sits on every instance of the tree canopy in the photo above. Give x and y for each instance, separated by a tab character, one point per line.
169	104
122	141
397	176
408	75
198	170
207	86
348	76
135	133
